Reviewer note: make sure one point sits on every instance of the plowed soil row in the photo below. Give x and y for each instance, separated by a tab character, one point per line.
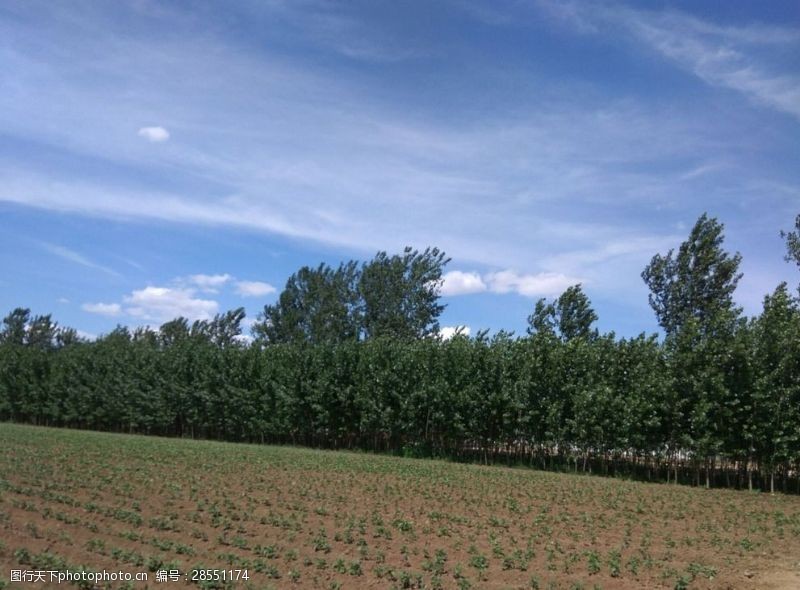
297	518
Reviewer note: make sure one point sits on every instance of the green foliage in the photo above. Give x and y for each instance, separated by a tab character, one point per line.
318	305
692	296
347	359
793	243
401	293
776	399
389	296
696	285
570	315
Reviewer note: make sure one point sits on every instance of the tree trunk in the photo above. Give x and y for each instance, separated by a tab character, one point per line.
785	477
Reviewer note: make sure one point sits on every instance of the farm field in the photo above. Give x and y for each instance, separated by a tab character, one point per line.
297	518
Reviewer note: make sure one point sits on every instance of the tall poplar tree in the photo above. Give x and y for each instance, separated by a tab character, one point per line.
696	284
571	315
691	292
318	306
793	243
777	389
400	293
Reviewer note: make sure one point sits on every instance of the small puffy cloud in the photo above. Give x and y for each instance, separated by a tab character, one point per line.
529	285
457	282
254	288
63	300
154	134
506	281
86	335
209	283
108	309
447	332
165	303
245	339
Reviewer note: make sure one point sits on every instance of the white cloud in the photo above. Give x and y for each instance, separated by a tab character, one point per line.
254	288
63	300
245	339
730	57
447	332
457	282
209	283
77	258
506	281
613	250
107	309
709	54
326	158
701	170
86	335
165	303
154	134
529	285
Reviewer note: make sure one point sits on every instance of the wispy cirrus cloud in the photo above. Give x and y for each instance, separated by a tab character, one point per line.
503	167
723	56
334	28
734	57
77	258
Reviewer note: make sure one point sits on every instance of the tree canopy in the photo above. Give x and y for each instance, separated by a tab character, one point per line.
570	316
347	358
400	293
697	283
793	243
389	296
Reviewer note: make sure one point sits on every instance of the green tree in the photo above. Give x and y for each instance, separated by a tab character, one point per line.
571	315
68	337
15	327
691	293
543	318
318	305
42	332
400	294
697	283
174	331
793	243
224	330
777	391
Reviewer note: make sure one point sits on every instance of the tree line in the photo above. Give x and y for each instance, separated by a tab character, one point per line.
350	357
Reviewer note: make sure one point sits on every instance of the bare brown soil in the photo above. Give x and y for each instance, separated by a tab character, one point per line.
307	519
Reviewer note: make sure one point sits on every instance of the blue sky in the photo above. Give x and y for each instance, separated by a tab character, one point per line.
162	158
